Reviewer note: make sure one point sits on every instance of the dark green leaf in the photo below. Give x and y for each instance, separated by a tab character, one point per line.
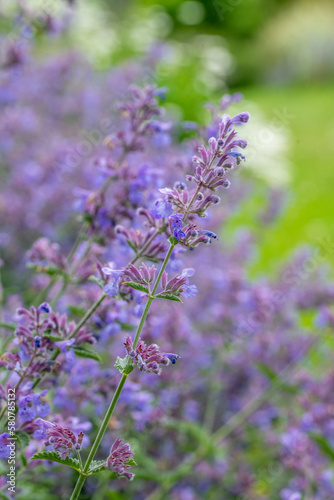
131	245
275	378
23	438
53	456
53	338
23	459
9	326
152	259
137	286
168	296
126	326
266	370
84	352
50	270
76	310
323	445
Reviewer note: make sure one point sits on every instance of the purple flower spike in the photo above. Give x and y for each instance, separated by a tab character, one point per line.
45	307
120	459
146	358
62	439
176	224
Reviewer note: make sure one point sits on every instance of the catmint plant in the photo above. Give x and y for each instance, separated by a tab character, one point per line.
211	170
135	332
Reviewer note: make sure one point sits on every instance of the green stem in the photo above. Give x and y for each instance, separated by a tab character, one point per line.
104	425
150	299
88	315
142	321
78	487
98	439
163	267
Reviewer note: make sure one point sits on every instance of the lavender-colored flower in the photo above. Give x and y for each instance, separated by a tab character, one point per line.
288	494
210	235
120	459
172	357
240	118
146	358
176	225
32	405
112	288
4	448
62	439
162	209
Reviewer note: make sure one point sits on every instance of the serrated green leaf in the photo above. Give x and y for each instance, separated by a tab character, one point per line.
97	466
23	438
97	281
84	352
137	286
168	296
54	456
124	365
323	444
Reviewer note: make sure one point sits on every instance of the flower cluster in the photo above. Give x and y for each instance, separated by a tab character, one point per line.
239	336
120	459
148	358
61	439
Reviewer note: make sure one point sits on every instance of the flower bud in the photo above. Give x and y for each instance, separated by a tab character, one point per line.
219	171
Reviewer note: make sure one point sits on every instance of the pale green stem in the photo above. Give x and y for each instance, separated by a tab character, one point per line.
104	425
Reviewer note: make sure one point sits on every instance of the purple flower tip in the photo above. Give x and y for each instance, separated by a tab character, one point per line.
172	357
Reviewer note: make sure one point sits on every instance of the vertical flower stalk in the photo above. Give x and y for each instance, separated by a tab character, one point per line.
112	406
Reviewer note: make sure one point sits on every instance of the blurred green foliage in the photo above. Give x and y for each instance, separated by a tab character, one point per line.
277	52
